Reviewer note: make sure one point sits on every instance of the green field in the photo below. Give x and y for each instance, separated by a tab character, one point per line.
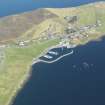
17	65
87	14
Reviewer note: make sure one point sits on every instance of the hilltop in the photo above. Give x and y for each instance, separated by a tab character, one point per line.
14	26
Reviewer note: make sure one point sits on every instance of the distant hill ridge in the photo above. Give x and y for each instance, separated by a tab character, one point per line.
33	22
16	25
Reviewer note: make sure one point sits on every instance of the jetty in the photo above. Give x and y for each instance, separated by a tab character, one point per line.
49	51
57	58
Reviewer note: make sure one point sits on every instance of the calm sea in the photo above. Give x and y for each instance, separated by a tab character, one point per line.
8	7
77	79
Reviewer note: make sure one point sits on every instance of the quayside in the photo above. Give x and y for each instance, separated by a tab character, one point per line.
58	53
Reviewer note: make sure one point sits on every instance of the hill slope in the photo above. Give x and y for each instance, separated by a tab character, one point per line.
14	26
32	24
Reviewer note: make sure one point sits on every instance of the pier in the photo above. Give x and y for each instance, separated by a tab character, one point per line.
57	58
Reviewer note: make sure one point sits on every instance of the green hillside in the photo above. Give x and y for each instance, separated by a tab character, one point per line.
14	26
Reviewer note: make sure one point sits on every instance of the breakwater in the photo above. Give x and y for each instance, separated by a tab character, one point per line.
57	58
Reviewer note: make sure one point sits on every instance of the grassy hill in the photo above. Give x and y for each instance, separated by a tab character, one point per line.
16	25
87	13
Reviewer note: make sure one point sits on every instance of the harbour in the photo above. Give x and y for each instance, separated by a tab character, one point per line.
75	79
57	54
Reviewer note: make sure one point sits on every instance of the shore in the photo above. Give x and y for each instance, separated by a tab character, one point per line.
36	60
57	58
27	75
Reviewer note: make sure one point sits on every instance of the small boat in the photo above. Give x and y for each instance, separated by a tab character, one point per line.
52	52
48	56
55	59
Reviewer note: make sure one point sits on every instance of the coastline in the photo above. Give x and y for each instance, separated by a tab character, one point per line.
75	68
27	75
34	61
57	58
19	87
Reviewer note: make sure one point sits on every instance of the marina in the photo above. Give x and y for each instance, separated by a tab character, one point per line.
77	79
56	54
57	58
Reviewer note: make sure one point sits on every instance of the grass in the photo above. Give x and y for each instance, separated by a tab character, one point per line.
87	14
57	26
14	26
17	66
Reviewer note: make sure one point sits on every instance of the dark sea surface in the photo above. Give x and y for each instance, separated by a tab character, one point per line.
8	7
77	79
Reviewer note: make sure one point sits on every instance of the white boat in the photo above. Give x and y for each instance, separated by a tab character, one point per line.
52	52
48	56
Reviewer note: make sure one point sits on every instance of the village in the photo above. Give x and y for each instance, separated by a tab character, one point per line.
71	33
